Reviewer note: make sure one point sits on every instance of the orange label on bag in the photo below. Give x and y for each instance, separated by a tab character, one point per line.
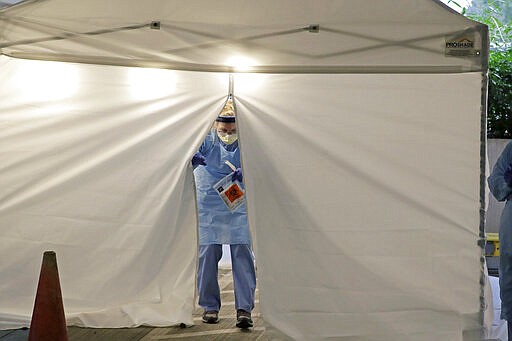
233	192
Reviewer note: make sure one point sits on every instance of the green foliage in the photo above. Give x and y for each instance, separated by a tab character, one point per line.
499	108
497	15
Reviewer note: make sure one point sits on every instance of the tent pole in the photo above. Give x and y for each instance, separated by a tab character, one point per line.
483	164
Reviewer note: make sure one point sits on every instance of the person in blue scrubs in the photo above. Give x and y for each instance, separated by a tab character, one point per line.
219	225
500	184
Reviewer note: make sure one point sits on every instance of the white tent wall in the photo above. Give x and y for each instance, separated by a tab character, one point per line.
105	180
356	236
364	198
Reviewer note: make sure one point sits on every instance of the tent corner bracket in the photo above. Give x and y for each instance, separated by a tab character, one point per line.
313	28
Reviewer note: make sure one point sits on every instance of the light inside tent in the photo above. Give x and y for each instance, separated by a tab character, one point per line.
241	63
245	80
43	81
147	83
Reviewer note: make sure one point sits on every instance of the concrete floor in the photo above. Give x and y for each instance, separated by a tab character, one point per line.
224	330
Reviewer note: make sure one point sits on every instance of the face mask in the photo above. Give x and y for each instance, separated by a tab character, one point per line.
228	139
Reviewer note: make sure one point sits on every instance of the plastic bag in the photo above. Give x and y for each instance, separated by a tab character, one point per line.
230	191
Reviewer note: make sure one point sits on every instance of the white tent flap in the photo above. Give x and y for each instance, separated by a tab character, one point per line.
104	179
364	198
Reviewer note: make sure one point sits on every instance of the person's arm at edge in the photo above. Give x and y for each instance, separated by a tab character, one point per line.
497	184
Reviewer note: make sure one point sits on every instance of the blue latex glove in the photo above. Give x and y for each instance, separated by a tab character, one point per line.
237	175
508	175
198	159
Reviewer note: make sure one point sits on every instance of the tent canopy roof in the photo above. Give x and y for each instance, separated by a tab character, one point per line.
277	36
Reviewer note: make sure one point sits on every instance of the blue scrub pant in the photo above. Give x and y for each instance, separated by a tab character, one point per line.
244	276
506	284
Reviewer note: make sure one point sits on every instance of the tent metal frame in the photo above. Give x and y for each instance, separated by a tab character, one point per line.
165	63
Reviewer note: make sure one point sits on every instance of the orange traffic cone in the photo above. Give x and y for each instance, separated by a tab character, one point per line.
48	321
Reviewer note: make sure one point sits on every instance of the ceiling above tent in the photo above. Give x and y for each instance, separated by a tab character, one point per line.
308	36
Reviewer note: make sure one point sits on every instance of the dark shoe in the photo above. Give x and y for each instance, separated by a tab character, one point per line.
211	316
243	319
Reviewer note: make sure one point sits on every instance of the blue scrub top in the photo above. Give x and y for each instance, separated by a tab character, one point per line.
218	224
502	192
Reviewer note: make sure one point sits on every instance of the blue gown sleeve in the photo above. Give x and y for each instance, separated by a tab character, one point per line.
496	180
207	145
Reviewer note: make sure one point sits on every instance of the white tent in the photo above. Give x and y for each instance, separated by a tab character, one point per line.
362	127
